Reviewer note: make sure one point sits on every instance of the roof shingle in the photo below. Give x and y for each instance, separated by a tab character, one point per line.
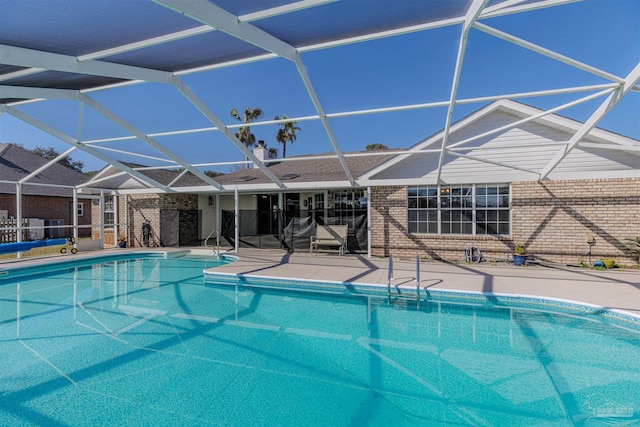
16	163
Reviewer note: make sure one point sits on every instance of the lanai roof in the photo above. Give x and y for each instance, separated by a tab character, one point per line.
65	50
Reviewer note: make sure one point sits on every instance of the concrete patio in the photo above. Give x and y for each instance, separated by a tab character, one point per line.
617	289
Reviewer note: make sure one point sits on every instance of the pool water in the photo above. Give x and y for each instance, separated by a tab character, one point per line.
148	341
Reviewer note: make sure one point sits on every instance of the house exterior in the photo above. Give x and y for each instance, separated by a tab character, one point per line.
587	207
47	197
174	218
317	188
485	190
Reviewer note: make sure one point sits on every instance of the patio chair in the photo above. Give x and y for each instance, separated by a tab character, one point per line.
329	236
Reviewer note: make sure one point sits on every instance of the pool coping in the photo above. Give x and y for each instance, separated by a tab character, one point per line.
485	299
616	292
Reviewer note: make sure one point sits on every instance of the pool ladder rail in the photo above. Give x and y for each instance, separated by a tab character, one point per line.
216	248
395	293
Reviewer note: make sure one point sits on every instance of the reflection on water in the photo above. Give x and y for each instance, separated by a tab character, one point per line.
148	338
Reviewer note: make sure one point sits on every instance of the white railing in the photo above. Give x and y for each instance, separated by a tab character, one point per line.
216	248
390	279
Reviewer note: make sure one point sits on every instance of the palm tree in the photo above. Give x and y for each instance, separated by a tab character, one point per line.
286	133
244	133
272	153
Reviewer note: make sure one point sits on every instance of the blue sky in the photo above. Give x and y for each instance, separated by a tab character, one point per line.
415	68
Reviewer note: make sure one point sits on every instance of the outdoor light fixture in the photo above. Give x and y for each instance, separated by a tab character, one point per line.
210	200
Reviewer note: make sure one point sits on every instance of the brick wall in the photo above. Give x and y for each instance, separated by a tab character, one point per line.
45	207
95	218
178	201
143	207
550	219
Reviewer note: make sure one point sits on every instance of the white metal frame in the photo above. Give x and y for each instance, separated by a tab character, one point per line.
214	18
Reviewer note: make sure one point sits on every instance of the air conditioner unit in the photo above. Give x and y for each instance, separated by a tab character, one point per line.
56	230
35	233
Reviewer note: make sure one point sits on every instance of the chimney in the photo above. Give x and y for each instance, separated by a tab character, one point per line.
260	151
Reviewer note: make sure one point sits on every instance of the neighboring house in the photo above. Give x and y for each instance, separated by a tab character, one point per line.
43	204
485	191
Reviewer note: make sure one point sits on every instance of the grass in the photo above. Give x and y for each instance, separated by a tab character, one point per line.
45	250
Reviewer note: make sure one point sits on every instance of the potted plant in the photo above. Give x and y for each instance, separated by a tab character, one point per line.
608	262
122	241
519	258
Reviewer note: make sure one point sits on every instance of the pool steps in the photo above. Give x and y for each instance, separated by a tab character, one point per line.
396	294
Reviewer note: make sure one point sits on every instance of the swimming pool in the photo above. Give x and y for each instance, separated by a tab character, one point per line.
149	341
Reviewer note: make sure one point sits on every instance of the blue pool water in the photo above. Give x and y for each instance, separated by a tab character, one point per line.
148	341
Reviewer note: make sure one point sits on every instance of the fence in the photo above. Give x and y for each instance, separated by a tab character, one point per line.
9	230
280	229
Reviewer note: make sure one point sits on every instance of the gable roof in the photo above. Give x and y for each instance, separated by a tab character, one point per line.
306	170
505	141
297	172
16	163
508	141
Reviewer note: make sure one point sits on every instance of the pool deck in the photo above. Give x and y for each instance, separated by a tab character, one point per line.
617	289
613	289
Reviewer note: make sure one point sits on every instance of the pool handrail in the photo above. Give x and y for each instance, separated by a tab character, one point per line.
216	248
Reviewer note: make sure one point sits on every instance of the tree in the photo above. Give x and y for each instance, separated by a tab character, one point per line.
272	153
51	153
286	133
244	133
376	146
212	174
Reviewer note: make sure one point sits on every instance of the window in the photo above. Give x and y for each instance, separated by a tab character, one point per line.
492	209
348	205
80	209
349	200
109	213
459	209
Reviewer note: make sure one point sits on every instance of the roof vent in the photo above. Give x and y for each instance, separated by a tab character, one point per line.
289	176
244	178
